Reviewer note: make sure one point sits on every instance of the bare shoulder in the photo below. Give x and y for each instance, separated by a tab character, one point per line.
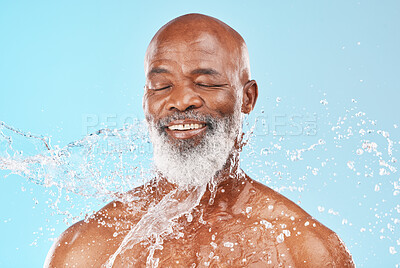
89	243
312	244
63	251
307	241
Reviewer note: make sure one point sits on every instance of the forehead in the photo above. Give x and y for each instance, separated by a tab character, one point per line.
187	50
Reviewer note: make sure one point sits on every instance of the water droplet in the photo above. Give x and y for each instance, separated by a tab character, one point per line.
228	244
323	102
350	164
280	238
264	151
383	172
189	217
267	224
286	232
359	151
331	211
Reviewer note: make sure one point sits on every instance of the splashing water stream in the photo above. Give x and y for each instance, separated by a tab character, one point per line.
113	161
159	221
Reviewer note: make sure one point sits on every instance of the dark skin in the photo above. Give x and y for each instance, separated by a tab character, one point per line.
198	63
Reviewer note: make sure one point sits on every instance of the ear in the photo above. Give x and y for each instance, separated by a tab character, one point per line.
250	94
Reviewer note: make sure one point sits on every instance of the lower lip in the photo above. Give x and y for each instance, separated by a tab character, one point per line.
185	134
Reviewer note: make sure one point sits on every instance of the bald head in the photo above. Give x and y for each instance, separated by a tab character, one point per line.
194	28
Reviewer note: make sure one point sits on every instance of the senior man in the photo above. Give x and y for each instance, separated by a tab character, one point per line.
201	210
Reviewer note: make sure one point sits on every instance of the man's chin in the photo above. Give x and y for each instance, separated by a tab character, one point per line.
184	144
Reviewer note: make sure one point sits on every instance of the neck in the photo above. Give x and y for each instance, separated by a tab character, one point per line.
231	169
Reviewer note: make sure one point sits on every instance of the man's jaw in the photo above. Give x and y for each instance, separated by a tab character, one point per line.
185	128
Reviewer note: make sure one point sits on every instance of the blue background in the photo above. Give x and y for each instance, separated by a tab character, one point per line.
62	62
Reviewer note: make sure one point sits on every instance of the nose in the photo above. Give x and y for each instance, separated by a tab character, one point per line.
183	98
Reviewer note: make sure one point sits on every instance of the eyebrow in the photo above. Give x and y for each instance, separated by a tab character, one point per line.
208	71
158	70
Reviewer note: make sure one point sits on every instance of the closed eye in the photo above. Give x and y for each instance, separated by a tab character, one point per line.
211	85
161	88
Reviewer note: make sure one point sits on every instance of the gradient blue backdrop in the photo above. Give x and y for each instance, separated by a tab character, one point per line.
62	62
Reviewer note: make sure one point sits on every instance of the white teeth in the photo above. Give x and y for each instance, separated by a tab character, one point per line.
186	126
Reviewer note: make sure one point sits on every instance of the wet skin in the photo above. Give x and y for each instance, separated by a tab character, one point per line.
245	213
196	63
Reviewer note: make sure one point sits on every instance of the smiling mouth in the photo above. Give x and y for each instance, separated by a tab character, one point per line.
185	129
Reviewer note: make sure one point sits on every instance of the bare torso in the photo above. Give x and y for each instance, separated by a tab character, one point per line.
248	225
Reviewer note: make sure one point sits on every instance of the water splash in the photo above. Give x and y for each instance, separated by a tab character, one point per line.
159	221
347	154
100	165
348	158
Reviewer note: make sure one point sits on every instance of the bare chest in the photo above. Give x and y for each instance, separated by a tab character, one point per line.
229	243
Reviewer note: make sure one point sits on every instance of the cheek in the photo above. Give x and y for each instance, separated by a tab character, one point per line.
222	102
152	106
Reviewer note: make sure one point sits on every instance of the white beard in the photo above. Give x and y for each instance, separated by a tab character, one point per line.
189	165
